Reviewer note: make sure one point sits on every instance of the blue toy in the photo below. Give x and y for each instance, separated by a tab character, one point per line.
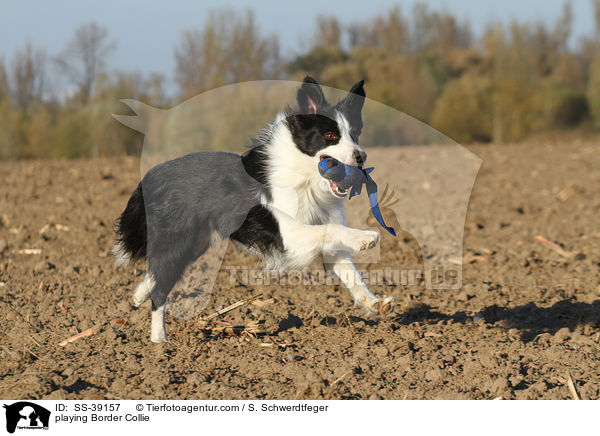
347	176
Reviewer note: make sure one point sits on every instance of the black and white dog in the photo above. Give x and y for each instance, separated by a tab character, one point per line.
272	200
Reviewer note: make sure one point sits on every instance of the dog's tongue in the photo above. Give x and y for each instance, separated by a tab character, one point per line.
347	176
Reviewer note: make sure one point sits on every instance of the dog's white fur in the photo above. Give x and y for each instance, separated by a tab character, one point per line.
158	332
143	291
122	257
310	217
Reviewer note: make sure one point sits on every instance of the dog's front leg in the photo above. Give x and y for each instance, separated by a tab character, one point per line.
342	265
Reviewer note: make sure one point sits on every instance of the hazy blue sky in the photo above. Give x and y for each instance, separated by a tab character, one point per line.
146	32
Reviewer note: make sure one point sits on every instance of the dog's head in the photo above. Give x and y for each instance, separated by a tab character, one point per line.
320	130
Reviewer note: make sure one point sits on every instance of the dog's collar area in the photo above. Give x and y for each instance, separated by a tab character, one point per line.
350	177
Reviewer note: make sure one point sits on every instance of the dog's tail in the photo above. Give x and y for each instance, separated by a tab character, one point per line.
131	231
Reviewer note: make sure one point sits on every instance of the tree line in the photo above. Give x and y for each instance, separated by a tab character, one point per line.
512	81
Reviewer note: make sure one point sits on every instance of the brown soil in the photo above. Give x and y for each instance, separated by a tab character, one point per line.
525	319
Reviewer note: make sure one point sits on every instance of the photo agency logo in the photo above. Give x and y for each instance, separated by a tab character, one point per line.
424	179
25	415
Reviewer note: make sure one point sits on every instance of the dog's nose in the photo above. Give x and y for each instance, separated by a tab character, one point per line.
360	157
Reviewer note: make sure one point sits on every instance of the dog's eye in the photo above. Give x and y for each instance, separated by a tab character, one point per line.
330	136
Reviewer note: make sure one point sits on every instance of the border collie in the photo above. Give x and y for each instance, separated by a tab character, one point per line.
271	200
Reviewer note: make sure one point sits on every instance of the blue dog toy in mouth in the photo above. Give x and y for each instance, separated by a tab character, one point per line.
346	176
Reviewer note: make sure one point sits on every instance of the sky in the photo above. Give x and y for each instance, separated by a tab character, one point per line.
146	33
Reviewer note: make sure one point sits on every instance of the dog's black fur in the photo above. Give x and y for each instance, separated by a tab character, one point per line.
182	205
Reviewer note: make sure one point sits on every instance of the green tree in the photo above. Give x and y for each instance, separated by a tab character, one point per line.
593	85
464	110
11	137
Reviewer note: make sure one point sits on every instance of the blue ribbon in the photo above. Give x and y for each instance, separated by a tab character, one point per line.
347	176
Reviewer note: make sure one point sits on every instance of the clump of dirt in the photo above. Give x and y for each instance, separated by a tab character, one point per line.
525	320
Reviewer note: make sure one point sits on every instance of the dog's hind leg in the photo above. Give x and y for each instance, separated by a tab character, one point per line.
166	267
160	292
165	280
159	331
343	266
143	290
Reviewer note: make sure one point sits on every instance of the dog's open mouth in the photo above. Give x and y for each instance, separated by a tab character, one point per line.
335	189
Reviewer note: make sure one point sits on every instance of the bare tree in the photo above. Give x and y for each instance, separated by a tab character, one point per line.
154	87
229	48
85	56
28	70
564	26
596	8
4	90
250	56
389	32
329	32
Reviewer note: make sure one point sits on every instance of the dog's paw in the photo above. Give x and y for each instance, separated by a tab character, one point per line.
139	298
159	336
158	331
381	306
361	240
143	291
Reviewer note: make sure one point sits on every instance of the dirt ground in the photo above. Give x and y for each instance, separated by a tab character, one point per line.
525	321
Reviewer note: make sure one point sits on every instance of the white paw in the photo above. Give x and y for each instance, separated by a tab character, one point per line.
143	290
361	240
158	331
159	336
381	306
139	298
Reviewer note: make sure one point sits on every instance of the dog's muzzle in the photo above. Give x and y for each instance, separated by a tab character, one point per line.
360	157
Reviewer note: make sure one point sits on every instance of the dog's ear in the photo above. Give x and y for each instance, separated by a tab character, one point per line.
310	96
353	103
358	89
351	106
